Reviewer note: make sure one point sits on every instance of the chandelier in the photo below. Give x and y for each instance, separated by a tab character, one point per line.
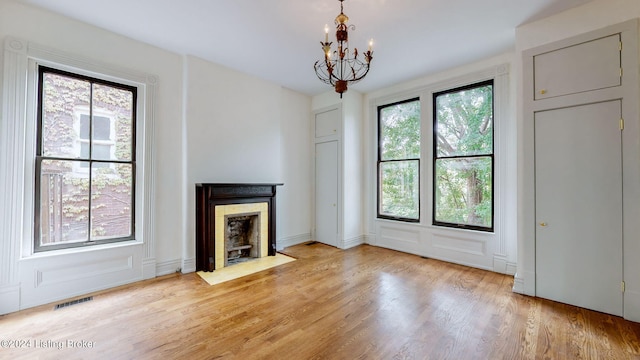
339	68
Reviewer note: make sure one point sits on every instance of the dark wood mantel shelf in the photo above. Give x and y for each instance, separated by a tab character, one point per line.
210	195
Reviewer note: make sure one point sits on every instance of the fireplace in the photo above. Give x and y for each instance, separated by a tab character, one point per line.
234	223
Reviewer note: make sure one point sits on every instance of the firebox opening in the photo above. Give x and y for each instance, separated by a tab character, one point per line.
242	238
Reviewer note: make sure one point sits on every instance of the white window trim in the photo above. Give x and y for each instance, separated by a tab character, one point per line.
17	170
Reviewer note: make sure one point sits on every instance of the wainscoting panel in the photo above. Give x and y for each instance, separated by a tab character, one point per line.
51	277
402	238
462	248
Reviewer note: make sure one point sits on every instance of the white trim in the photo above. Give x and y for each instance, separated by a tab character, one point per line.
12	139
285	242
353	242
168	267
19	266
503	266
188	265
518	285
9	298
149	268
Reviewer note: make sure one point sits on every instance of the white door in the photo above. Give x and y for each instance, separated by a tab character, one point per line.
578	167
327	192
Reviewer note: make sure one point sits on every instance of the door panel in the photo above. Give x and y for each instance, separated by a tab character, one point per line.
578	164
327	192
583	67
327	123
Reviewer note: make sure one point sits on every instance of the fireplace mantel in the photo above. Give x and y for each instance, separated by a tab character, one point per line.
210	195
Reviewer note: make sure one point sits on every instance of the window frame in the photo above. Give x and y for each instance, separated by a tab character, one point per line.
380	162
435	156
38	158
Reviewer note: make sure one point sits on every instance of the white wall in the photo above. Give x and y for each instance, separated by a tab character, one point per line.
592	16
353	169
243	129
211	124
294	198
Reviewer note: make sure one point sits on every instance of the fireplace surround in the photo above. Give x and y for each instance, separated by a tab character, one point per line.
215	202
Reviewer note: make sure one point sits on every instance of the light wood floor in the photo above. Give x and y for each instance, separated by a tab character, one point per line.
362	303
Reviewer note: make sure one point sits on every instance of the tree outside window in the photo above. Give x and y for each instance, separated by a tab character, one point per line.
85	161
399	161
463	157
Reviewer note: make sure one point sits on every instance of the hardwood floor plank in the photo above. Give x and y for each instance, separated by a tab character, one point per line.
361	303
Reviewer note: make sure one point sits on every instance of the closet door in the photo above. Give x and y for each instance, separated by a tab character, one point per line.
327	192
578	194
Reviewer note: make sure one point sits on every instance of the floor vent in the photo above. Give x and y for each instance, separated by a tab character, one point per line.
311	243
73	302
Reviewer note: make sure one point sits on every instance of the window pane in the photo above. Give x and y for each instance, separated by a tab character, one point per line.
101	152
465	122
463	191
84	152
119	129
399	189
61	95
400	131
84	127
101	128
64	203
111	200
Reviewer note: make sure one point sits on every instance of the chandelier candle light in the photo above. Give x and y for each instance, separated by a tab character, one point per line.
338	68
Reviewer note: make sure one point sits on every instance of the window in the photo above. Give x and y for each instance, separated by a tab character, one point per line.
102	139
85	161
463	157
399	161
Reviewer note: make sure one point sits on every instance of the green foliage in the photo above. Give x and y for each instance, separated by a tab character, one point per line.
463	173
400	178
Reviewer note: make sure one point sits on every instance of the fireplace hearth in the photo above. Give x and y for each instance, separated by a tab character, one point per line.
234	223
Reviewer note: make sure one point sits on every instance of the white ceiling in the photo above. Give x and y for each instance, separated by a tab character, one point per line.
279	40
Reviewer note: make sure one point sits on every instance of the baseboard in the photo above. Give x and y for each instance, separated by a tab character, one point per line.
518	284
525	283
168	267
292	240
149	268
632	305
188	265
370	239
353	242
499	264
9	299
503	266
